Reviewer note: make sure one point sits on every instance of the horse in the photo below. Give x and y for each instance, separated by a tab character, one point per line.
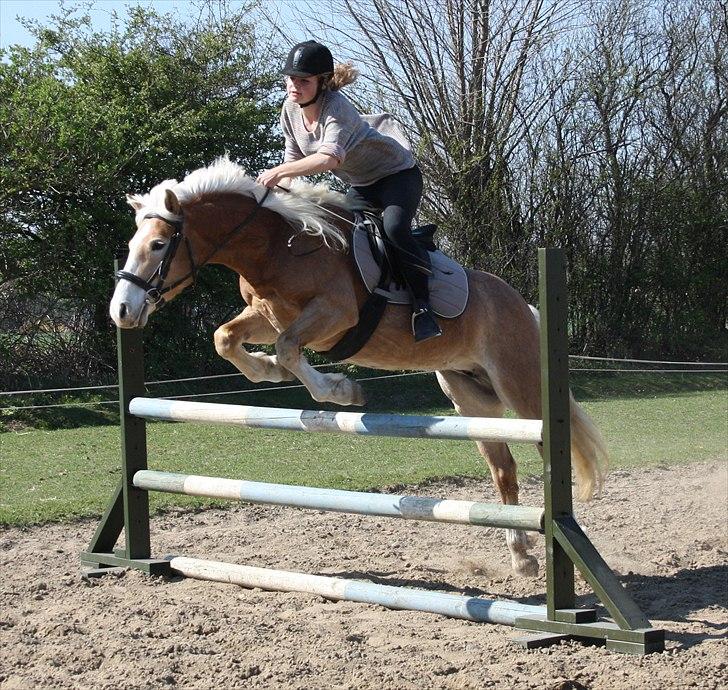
301	288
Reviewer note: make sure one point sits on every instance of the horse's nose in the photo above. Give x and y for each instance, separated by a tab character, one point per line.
123	310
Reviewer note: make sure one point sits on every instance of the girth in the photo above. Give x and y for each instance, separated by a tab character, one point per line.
388	259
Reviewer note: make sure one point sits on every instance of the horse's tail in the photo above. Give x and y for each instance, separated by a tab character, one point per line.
589	453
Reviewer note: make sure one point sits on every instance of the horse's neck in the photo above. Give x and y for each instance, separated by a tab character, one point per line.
234	232
275	261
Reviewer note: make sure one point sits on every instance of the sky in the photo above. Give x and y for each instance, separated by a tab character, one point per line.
12	31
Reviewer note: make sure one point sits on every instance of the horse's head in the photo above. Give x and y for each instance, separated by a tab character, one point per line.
165	254
160	259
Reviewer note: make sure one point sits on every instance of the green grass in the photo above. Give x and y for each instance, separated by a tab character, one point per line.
61	473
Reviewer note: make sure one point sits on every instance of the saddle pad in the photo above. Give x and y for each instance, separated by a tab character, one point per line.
448	282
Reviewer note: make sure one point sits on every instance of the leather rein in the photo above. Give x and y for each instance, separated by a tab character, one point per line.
154	286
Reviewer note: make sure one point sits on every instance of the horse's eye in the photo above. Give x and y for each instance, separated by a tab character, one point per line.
157	245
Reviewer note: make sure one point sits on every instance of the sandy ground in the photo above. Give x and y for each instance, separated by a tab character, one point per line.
664	531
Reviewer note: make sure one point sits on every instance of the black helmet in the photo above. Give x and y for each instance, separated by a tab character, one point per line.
309	59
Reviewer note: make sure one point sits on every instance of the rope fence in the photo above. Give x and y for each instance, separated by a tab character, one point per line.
39	391
204	395
42	391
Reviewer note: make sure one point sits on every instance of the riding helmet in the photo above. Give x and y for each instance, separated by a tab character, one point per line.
309	59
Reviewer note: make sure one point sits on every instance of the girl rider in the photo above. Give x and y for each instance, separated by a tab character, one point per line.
323	131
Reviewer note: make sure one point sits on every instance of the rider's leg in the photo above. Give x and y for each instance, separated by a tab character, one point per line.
400	195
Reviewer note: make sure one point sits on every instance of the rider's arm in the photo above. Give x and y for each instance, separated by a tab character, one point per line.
310	165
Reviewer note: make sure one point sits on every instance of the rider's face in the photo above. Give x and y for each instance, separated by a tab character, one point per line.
301	89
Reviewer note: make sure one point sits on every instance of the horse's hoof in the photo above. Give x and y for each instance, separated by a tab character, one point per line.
525	566
348	392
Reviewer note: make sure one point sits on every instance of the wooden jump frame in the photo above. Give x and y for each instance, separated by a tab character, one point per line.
566	544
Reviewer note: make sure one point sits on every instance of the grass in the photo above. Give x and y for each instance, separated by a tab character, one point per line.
60	473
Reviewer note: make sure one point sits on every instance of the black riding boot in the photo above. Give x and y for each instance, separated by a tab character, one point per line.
424	325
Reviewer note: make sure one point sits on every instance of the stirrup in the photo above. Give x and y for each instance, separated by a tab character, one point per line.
424	325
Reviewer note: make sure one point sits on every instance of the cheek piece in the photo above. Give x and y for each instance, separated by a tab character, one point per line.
154	285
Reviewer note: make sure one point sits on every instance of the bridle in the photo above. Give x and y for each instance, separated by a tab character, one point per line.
154	286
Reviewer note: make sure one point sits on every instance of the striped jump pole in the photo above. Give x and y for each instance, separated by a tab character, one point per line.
340	589
358	423
335	500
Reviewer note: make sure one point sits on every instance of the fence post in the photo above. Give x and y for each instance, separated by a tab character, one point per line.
129	506
566	544
553	308
130	354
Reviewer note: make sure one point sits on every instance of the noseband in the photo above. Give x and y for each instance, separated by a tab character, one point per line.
154	286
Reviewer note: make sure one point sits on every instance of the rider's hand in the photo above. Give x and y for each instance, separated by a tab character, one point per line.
270	178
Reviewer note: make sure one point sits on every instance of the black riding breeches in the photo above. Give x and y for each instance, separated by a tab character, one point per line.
398	196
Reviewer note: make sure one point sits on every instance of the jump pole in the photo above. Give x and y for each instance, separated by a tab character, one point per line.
340	589
335	500
566	544
357	423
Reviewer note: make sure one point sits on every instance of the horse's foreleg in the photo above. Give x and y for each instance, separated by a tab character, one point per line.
317	322
473	398
252	327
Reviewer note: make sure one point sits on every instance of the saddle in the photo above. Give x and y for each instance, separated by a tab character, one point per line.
378	261
379	267
382	254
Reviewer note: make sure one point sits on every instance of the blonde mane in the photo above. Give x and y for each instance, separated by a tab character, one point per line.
302	209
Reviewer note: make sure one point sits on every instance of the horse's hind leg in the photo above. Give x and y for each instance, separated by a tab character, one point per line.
476	399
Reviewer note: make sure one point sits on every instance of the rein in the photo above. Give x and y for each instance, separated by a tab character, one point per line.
155	292
317	205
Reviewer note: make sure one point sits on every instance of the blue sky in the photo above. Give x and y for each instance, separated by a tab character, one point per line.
12	31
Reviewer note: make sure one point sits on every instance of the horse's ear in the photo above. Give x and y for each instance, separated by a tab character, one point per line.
171	203
134	201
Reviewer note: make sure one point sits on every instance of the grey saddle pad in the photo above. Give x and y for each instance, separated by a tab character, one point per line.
448	282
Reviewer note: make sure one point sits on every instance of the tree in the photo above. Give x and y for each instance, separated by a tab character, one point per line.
457	73
87	116
632	174
599	126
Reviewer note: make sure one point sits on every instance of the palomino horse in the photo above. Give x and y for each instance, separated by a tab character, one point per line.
302	289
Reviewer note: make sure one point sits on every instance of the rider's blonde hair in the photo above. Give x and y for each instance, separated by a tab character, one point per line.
343	75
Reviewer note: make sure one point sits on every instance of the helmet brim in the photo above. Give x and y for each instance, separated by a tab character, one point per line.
297	73
301	73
